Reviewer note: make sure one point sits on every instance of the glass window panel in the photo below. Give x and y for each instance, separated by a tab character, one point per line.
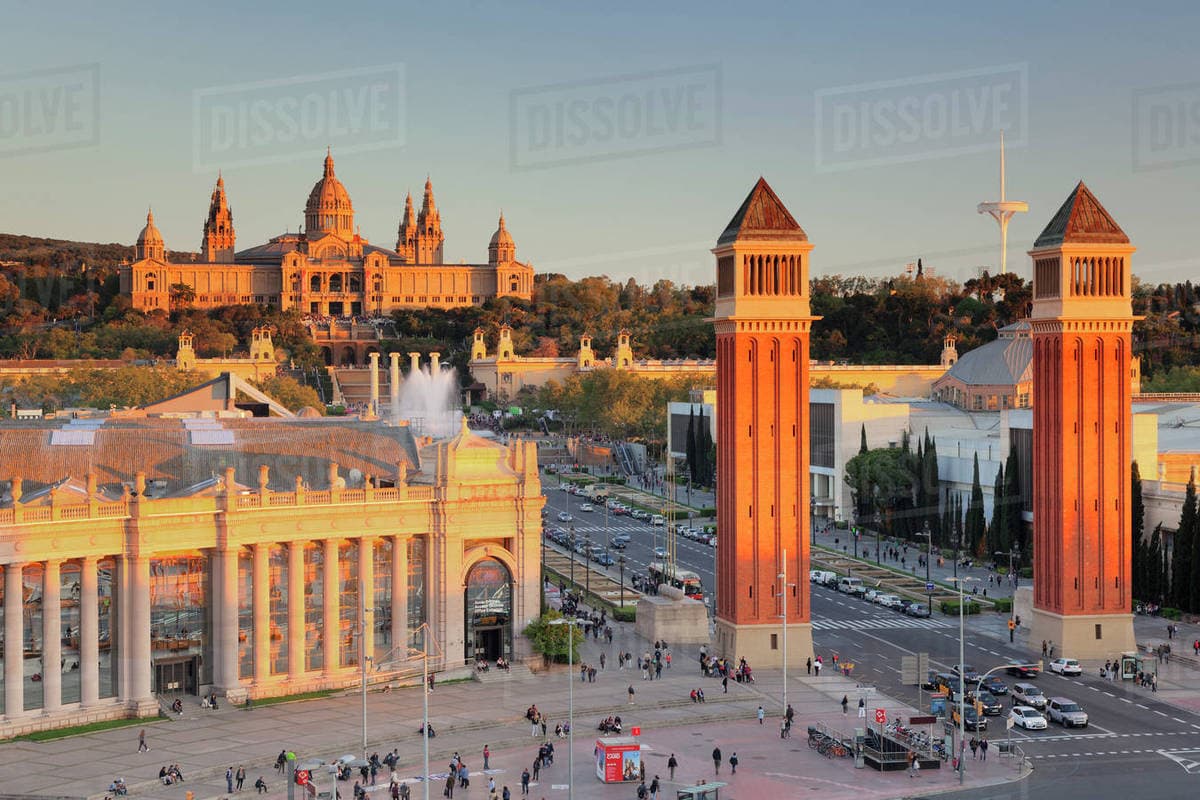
245	580
348	611
416	585
180	617
314	611
105	588
382	618
31	581
69	592
278	568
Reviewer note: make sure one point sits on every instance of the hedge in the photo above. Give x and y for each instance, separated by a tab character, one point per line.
1027	573
1003	604
614	479
1171	613
949	607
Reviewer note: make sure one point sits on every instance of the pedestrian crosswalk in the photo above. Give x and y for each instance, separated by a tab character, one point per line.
882	623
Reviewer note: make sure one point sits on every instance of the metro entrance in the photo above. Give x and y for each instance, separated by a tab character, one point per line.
176	675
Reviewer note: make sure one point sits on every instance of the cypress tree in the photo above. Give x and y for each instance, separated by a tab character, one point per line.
706	453
862	447
1012	496
974	525
1001	507
1155	577
1181	552
691	445
1137	517
929	477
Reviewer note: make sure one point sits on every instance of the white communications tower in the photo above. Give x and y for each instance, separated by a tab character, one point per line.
1002	211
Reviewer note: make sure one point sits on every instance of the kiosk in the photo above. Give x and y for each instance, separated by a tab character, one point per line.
618	759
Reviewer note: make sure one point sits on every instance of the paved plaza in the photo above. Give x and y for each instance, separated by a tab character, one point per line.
470	714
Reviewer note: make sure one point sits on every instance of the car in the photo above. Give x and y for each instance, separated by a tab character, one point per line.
1026	694
605	560
870	595
565	517
851	585
918	610
660	552
1066	666
658	520
618	544
994	685
623	538
969	673
973	720
931	680
712	541
903	605
884	600
1027	718
948	682
588	507
1023	670
1066	713
987	703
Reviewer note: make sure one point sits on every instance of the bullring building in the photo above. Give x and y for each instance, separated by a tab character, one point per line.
147	557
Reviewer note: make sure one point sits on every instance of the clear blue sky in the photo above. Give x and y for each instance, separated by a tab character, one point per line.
722	93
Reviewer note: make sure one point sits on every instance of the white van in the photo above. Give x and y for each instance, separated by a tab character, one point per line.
657	519
850	585
821	576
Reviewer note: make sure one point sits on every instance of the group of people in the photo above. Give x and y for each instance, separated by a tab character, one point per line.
724	669
170	774
481	665
610	724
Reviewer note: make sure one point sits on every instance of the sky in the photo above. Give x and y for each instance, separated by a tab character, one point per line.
618	138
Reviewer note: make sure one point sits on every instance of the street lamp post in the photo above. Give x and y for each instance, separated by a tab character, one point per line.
783	590
621	566
587	569
570	622
928	534
572	540
962	680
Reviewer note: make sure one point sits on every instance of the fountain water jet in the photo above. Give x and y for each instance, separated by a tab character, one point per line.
429	399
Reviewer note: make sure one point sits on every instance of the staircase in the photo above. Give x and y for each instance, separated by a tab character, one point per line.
355	384
624	459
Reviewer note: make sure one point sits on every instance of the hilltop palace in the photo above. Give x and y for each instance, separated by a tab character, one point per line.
328	269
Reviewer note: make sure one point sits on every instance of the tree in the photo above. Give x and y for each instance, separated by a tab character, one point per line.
862	447
706	452
1001	508
881	480
974	526
181	295
691	446
932	483
290	393
1137	517
1181	552
551	639
1012	497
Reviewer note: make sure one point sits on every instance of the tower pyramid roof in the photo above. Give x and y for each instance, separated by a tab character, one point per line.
762	216
1081	220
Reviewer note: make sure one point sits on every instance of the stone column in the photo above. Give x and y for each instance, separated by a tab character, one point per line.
225	619
135	661
295	585
262	612
366	576
374	358
51	637
394	385
89	633
331	622
14	642
400	630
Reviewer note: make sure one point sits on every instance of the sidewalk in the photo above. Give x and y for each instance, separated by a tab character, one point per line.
471	714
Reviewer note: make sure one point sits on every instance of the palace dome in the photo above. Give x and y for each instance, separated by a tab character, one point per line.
329	209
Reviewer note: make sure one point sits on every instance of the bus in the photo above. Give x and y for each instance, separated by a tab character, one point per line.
683	579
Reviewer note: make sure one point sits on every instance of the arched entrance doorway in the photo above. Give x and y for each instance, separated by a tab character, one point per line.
349	357
488	611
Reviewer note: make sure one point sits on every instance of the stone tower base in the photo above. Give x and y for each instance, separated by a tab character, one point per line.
678	620
1074	636
754	643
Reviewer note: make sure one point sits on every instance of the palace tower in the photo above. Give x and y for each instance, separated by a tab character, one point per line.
1081	323
763	323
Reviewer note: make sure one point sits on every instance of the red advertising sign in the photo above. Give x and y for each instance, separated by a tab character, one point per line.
880	716
302	777
636	730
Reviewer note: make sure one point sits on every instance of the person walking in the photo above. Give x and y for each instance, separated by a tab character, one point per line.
487	754
142	747
733	762
862	708
808	666
449	790
240	777
716	757
525	782
654	788
914	765
983	746
974	747
1045	648
817	668
845	704
229	779
602	661
761	715
725	683
630	690
672	763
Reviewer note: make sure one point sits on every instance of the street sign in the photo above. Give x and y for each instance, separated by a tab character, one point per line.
1008	723
880	716
925	720
929	587
302	777
635	731
908	670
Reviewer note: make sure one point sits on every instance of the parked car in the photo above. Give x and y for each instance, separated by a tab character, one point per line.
658	520
1027	718
918	610
973	721
994	685
988	704
1066	666
850	585
1026	694
1066	713
902	606
948	682
886	600
871	594
605	560
822	576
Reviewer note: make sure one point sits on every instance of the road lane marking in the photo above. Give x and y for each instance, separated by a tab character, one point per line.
1177	719
1161	714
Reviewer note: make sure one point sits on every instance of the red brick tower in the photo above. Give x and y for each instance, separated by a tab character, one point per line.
763	323
1082	431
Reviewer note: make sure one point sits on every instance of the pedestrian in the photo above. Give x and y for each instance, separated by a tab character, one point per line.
491	786
733	762
817	668
229	779
1045	648
725	684
845	704
630	690
974	747
716	757
487	754
983	746
914	765
808	664
525	782
761	715
449	790
240	776
602	661
431	691
654	788
1154	682
142	747
672	763
862	708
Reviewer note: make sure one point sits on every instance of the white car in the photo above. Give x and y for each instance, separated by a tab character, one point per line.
1027	718
1066	666
660	552
871	594
887	600
587	507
